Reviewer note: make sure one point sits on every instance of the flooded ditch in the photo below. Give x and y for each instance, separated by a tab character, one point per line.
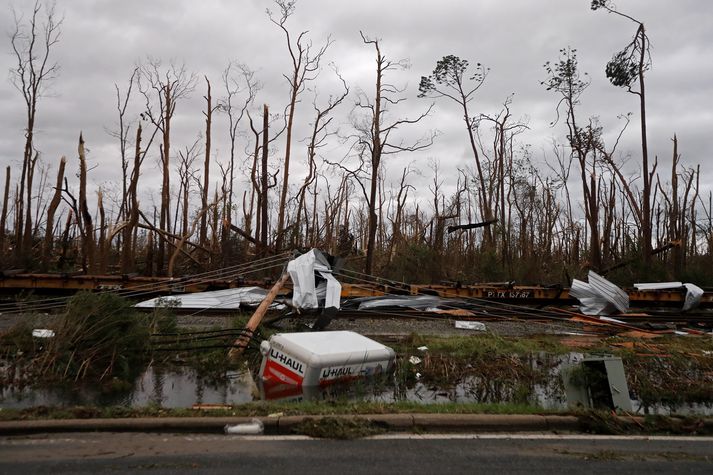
534	380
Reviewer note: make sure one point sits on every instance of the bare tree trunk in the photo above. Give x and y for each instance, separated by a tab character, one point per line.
646	198
206	166
263	181
3	216
27	234
127	257
674	218
102	244
54	204
88	234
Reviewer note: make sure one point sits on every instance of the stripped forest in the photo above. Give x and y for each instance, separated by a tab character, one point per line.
505	216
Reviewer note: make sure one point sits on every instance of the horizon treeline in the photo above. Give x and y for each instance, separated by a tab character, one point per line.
506	219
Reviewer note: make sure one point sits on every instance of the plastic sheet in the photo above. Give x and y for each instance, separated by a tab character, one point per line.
306	293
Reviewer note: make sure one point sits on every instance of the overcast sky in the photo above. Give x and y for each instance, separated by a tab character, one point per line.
102	41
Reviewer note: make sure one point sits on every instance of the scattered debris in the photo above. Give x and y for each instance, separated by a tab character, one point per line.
468	325
414	360
422	348
211	407
455	312
338	427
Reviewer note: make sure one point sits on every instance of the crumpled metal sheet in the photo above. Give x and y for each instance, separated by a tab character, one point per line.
693	296
227	299
599	296
421	302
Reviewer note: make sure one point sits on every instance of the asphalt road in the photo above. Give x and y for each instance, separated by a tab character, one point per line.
397	454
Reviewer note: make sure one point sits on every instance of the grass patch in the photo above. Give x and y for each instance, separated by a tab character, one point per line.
601	422
467	347
338	428
260	409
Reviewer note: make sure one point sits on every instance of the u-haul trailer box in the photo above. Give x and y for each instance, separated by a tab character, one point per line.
321	358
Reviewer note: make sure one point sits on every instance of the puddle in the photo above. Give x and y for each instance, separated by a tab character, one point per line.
174	388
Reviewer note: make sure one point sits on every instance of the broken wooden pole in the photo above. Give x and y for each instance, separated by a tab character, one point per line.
242	342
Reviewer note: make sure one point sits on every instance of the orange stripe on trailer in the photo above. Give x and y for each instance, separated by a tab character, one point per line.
274	371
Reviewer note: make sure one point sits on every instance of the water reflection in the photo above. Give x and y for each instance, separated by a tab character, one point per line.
183	387
169	388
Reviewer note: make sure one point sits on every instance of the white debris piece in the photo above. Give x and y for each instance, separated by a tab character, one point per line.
42	333
599	296
693	292
422	348
227	299
693	296
305	293
467	325
414	360
255	427
657	285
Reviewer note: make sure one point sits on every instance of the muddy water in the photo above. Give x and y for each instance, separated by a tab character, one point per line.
170	388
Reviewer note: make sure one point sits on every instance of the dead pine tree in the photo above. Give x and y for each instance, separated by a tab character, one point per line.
375	137
318	138
162	90
262	200
451	79
87	227
3	215
245	84
584	141
208	113
122	134
625	69
305	67
32	45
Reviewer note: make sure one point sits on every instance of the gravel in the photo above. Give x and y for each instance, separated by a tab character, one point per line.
399	326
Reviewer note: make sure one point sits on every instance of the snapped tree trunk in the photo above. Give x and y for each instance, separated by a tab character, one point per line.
51	210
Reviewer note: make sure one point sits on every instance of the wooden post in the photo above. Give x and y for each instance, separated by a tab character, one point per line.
242	342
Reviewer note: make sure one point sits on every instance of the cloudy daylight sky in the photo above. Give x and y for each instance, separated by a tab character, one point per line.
102	41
